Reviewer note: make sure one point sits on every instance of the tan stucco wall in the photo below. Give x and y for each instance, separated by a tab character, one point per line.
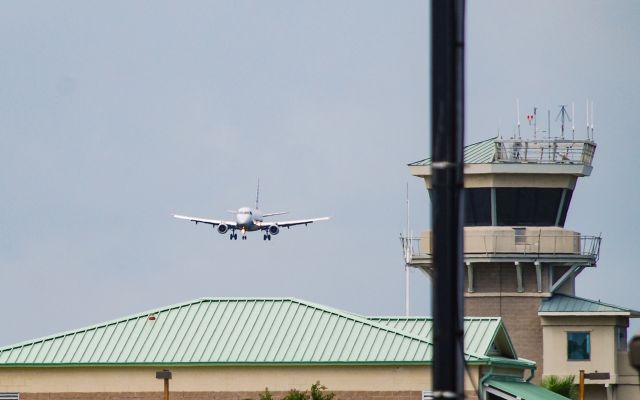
520	180
472	180
603	345
502	239
221	379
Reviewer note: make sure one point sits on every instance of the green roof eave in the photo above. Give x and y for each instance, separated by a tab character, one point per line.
522	389
475	361
507	362
564	305
214	364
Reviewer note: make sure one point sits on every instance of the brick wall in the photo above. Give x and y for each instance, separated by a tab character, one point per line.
520	316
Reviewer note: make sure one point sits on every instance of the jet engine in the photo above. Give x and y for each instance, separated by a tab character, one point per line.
222	229
274	230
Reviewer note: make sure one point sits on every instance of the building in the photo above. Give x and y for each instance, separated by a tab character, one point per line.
521	260
593	335
233	348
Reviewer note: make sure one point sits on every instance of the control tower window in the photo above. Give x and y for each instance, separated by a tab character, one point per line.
477	207
565	207
528	206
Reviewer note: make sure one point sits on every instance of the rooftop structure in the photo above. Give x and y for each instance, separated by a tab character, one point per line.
258	331
517	249
235	347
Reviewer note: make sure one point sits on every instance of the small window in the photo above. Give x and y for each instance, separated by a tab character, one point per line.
578	346
621	338
520	236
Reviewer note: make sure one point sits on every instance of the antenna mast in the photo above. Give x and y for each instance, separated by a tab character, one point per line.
563	114
258	194
592	120
535	122
573	121
518	115
407	258
587	118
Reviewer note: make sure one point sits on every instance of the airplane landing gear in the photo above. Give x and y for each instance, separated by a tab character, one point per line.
244	237
266	237
233	236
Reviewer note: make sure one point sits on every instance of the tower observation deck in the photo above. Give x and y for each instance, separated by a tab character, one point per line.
517	250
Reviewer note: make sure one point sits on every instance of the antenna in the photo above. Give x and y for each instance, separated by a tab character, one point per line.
407	257
258	194
549	123
587	118
573	121
592	120
562	115
518	115
535	122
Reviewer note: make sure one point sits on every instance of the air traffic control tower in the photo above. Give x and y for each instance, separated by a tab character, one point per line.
517	250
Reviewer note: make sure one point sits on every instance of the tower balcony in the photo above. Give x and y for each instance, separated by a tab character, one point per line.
551	245
544	151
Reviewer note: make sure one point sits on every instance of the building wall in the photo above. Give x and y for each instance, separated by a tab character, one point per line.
351	382
520	316
603	345
175	395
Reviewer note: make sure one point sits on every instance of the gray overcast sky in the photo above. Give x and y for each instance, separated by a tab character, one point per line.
113	115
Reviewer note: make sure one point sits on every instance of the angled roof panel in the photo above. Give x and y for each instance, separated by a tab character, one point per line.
480	333
563	304
230	331
520	389
245	331
483	152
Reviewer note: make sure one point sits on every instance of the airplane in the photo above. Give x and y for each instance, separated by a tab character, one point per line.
250	220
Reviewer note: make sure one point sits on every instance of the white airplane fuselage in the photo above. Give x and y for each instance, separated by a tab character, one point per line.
248	219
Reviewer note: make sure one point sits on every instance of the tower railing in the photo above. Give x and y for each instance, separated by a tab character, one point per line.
545	151
505	242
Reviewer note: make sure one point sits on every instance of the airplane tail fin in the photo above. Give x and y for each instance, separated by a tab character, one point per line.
258	195
275	213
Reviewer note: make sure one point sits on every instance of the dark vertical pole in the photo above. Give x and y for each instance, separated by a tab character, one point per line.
581	385
447	110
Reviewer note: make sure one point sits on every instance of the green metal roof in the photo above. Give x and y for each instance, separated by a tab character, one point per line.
226	331
482	335
235	331
483	152
560	303
523	390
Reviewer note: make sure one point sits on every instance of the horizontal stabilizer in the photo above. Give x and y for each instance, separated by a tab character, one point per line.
275	213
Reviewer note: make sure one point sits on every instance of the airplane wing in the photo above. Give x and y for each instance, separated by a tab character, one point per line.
213	222
287	224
